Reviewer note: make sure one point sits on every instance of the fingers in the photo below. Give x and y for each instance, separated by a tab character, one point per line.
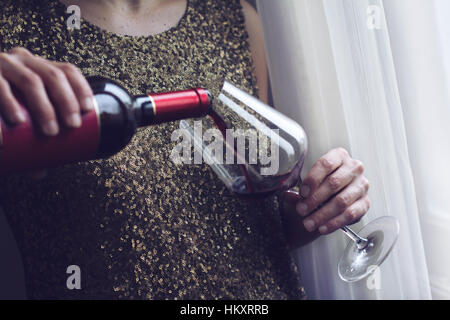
60	91
79	84
51	91
334	183
352	214
32	87
334	193
321	169
9	107
341	210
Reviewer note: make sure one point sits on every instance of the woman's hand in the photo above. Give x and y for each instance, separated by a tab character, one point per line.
333	194
54	93
51	91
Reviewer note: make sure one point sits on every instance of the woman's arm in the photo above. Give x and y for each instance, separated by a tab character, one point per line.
256	39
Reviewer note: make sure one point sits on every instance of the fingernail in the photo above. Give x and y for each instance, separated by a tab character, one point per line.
323	229
305	190
50	128
20	117
302	209
309	225
88	104
74	120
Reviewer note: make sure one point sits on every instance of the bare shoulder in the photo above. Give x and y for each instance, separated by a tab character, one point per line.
256	39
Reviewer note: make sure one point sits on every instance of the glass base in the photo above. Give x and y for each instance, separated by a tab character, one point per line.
356	264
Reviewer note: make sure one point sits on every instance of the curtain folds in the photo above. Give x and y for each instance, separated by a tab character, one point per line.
419	33
332	69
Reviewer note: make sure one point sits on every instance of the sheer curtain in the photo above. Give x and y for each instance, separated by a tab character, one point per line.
333	69
421	47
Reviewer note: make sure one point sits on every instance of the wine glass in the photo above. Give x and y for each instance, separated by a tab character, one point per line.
257	152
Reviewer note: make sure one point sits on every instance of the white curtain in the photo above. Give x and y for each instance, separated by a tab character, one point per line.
372	76
422	60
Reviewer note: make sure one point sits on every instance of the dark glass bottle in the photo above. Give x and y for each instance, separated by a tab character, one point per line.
105	131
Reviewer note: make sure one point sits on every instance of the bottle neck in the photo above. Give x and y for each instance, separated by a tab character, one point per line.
171	106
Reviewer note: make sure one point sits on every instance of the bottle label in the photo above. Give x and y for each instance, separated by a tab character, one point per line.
24	148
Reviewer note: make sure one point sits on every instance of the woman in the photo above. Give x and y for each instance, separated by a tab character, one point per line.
137	225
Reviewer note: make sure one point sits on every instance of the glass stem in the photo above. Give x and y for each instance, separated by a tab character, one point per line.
361	243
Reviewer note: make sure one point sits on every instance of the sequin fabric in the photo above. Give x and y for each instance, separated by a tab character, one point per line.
137	225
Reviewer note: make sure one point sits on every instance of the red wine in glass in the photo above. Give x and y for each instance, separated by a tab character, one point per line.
243	186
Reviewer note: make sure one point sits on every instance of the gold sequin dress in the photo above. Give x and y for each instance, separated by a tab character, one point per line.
137	225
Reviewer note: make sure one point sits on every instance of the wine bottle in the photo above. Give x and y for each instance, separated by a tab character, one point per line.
104	131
